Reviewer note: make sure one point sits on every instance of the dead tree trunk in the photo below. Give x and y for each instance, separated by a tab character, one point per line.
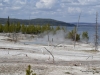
48	38
76	29
51	55
96	33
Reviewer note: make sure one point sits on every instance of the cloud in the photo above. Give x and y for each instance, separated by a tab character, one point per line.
20	2
1	4
92	11
7	1
45	4
65	10
16	8
74	10
85	2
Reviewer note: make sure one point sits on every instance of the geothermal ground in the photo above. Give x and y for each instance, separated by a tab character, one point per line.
15	57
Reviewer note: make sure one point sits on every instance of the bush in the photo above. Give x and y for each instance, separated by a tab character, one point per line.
71	35
29	71
85	36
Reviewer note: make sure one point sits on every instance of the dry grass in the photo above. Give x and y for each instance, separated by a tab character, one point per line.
90	51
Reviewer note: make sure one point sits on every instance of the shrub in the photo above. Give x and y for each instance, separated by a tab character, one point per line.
29	71
85	36
71	35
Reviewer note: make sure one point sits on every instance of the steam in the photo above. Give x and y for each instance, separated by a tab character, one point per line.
52	39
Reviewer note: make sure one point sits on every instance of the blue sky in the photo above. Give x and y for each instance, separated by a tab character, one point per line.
63	10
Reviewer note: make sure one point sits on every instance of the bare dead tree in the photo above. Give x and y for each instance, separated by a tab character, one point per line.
29	20
96	33
76	29
51	55
15	35
30	23
48	37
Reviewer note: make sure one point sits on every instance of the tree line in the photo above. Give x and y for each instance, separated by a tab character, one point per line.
28	29
37	29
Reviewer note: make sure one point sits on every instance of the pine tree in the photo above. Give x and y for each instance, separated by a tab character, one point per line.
63	29
18	27
23	29
58	28
6	28
8	23
85	36
29	71
71	35
1	28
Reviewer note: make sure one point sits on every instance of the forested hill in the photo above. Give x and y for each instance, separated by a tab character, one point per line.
37	21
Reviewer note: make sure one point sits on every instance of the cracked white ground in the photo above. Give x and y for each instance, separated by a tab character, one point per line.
15	57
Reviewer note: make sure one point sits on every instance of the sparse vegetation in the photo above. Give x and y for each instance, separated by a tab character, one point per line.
85	36
71	35
91	51
27	29
29	71
95	70
67	73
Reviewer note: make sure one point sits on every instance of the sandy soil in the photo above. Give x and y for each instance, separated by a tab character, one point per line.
15	57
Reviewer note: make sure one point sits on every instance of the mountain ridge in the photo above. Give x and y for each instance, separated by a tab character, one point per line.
37	21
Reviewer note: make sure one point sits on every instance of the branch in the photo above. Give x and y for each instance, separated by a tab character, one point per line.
51	54
89	57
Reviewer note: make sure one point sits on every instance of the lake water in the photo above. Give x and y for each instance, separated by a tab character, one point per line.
90	29
81	29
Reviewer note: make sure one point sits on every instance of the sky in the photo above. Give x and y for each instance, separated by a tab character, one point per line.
62	10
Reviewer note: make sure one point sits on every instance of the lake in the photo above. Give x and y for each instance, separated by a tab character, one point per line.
90	29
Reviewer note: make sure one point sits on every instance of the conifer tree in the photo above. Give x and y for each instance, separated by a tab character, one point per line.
6	28
23	28
85	36
8	23
18	27
1	28
29	71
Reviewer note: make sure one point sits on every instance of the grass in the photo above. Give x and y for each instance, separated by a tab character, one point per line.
91	51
